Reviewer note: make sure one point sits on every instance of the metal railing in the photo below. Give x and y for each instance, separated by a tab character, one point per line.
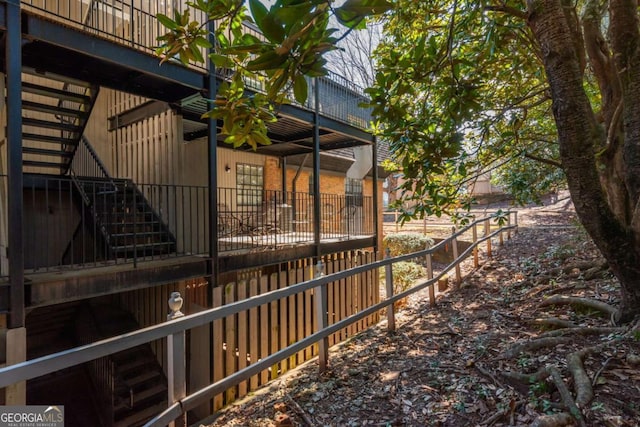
134	24
82	221
179	402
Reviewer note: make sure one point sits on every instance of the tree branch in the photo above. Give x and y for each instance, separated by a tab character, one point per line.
508	10
543	160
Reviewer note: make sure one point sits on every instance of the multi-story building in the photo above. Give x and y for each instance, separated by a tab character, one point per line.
114	192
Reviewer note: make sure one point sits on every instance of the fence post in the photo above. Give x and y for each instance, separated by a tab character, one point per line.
320	300
454	245
432	288
388	276
509	225
487	231
475	245
515	220
176	360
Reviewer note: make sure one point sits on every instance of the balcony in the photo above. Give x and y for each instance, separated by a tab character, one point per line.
133	24
76	223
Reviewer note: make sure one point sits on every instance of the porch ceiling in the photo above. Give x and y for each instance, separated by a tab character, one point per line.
291	135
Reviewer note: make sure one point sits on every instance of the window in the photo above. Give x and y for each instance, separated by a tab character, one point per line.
353	191
249	180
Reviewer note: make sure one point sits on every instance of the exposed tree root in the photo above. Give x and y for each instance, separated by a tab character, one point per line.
584	302
583	331
554	322
535	344
565	394
555	420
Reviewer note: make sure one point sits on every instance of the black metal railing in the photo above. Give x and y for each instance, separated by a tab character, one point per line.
135	25
69	228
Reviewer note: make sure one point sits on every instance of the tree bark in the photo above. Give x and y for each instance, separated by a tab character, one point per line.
579	136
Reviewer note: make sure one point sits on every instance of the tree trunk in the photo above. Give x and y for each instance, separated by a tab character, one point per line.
580	136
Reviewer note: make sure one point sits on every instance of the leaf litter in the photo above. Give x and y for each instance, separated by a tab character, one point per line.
450	365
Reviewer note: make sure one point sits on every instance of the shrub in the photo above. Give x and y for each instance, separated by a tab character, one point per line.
405	273
406	243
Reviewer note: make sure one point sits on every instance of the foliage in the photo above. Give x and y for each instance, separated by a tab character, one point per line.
449	120
406	243
294	36
405	274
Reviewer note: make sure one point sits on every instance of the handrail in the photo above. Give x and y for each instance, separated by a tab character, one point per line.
53	362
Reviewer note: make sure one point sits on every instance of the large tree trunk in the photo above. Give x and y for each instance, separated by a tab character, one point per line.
581	136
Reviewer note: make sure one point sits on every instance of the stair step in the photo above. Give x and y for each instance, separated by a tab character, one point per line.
139	417
43	164
26	121
142	233
55	93
141	247
45	152
139	361
52	109
139	397
57	77
141	377
48	138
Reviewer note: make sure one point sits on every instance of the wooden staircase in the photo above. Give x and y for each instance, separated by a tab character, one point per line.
129	225
55	111
136	386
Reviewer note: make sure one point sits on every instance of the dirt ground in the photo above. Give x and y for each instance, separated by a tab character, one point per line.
495	352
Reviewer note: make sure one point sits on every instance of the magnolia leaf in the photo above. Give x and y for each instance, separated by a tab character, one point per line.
300	88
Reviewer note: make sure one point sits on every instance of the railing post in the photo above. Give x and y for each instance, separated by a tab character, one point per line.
487	231
515	221
135	236
388	275
475	246
454	246
320	300
500	236
432	288
176	360
509	226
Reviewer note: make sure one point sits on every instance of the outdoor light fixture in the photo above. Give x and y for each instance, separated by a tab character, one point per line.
227	168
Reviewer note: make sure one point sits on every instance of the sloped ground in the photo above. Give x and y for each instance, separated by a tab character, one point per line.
460	363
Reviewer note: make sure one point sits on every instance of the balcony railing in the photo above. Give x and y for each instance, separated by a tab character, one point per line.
134	24
63	231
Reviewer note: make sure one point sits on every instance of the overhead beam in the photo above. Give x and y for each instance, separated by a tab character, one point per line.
118	56
136	114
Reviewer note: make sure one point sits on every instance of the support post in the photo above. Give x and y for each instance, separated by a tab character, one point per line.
285	199
376	203
388	276
176	360
13	61
454	245
316	169
212	154
476	263
487	231
320	301
432	288
509	226
16	345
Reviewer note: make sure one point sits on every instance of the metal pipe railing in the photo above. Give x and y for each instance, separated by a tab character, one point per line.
47	364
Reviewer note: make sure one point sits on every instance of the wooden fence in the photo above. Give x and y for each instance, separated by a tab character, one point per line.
246	337
243	308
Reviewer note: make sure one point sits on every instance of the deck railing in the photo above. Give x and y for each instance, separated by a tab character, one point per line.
134	24
63	230
175	329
